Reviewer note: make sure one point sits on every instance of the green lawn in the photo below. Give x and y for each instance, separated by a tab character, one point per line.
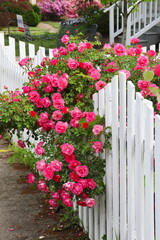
53	24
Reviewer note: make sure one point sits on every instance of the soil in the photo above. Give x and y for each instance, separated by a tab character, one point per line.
24	211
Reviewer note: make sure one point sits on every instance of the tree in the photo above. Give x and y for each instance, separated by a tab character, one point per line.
129	7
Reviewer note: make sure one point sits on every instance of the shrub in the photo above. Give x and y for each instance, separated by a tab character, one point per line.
31	18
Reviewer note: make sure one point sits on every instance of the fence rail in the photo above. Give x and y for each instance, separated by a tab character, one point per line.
130	206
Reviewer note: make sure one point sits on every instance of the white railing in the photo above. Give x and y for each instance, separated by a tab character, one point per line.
140	21
130	207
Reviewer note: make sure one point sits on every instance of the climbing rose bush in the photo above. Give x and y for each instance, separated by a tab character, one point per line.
69	162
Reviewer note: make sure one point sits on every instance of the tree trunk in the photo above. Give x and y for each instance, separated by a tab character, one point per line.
125	18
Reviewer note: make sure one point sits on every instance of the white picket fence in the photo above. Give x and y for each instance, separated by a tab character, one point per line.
130	207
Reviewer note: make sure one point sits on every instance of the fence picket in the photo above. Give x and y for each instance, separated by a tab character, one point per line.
115	157
22	50
130	158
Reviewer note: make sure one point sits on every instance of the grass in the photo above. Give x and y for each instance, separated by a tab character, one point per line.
53	24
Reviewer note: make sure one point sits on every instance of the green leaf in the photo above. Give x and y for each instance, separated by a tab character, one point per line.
156	92
148	75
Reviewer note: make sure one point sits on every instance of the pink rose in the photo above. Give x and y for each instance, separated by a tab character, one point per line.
111	67
99	85
131	51
65	39
97	146
81	47
72	64
31	178
68	186
157	70
54	62
39	151
77	189
23	61
151	53
57	115
41	165
76	113
1	136
55	195
70	158
73	164
119	49
143	85
90	116
67	149
46	102
56	165
61	127
68	202
48	88
74	123
55	52
53	203
158	106
107	46
90	202
91	184
143	61
74	176
48	173
95	74
135	40
59	104
63	51
33	96
83	182
56	96
97	129
72	47
42	186
62	83
82	171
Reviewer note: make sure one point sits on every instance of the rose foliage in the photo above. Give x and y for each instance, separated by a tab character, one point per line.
57	106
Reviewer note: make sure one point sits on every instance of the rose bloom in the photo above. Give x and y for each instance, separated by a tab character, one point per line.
56	165
55	52
62	83
138	51
158	106
99	85
57	115
128	74
21	144
72	64
91	183
59	104
107	46
65	39
111	67
73	164
61	127
57	178
82	171
68	186
143	85
1	136
151	53
48	173
95	74
81	47
131	51
76	113
97	146
39	151
55	195
70	158
77	189
135	40
56	96
63	51
97	129
74	123
68	202
85	125
67	149
32	113
90	202
54	62
83	182
33	96
23	61
157	70
48	88
81	203
53	203
41	165
46	102
74	176
42	186
143	61
90	116
31	178
72	47
119	49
